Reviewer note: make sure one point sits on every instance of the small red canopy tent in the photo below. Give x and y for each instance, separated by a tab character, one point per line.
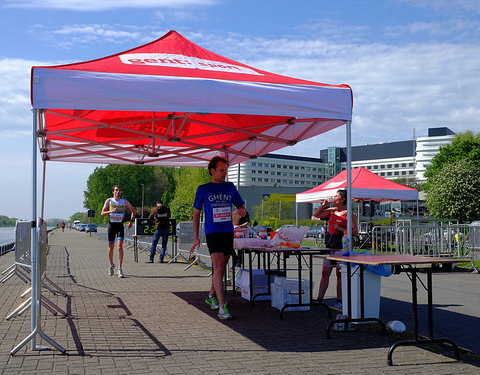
365	185
172	102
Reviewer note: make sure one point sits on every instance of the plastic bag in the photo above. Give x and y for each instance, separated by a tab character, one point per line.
384	270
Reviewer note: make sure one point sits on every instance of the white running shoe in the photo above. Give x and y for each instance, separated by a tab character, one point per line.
111	269
120	273
223	313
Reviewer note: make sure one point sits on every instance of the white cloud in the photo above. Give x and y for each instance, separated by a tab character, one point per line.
15	114
462	30
396	88
75	36
180	16
102	5
448	7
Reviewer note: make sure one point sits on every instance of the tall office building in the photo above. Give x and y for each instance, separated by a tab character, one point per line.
276	170
428	147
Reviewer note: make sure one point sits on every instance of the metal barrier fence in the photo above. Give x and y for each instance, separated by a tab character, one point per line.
473	243
181	245
449	240
185	242
433	240
143	244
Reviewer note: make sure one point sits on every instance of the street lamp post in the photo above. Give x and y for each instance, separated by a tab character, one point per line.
264	196
143	192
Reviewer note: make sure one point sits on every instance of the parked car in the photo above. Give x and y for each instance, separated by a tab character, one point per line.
91	228
316	231
83	227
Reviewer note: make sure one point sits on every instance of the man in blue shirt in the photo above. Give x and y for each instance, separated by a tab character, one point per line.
216	198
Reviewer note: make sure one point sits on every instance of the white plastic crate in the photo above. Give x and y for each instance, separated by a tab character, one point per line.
285	292
260	284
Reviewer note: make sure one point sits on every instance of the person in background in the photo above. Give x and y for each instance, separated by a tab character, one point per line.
335	211
62	225
217	198
116	208
240	222
161	215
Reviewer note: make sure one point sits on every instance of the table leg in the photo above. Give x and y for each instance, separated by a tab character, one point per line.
417	340
250	276
299	289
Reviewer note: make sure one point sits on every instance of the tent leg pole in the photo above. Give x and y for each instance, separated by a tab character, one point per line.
35	260
43	188
34	240
348	131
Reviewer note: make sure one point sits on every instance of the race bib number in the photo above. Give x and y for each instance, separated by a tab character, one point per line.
116	217
222	214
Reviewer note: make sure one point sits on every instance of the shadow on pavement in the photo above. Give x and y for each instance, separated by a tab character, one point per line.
461	328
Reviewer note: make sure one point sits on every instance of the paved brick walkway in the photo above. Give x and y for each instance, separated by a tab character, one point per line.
155	321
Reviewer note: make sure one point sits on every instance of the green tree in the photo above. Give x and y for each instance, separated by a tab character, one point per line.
454	192
274	206
5	221
81	216
410	182
129	177
464	146
163	187
187	180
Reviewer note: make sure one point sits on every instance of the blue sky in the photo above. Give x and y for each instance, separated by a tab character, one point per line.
412	64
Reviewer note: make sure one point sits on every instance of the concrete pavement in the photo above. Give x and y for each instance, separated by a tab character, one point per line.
154	321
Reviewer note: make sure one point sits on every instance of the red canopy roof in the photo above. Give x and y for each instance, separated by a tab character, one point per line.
365	185
171	102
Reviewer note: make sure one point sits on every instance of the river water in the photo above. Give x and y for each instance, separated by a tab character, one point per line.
7	234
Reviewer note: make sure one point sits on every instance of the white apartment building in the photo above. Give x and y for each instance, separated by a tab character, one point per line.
272	170
428	147
285	174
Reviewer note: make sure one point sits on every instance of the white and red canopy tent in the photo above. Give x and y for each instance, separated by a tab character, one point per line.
169	102
172	102
364	185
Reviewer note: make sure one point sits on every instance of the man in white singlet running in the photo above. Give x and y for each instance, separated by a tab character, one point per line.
116	208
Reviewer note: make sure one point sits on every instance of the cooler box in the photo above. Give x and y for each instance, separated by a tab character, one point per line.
285	291
371	284
260	284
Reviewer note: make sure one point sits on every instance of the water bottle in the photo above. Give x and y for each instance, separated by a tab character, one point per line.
262	234
345	243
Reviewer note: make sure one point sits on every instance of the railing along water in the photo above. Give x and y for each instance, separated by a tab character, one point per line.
7	247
